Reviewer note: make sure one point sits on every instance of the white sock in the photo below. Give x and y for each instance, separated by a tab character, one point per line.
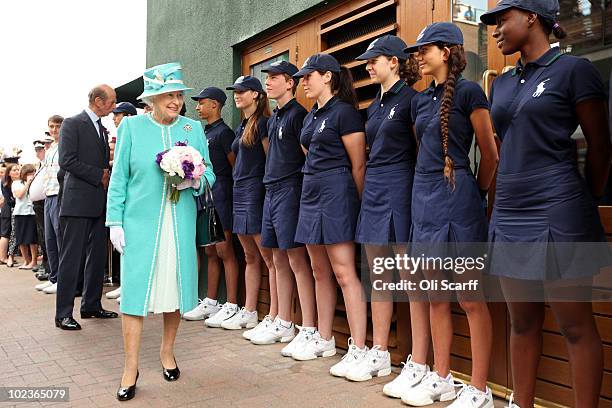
310	330
231	304
210	301
284	323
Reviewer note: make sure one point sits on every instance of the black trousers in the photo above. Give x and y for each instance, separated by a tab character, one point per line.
83	240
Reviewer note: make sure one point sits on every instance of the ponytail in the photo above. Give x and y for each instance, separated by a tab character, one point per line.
342	86
456	64
553	27
251	129
409	70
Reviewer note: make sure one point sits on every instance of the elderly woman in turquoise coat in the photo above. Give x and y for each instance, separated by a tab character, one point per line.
155	236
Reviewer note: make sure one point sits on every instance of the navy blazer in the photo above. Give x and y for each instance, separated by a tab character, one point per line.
84	156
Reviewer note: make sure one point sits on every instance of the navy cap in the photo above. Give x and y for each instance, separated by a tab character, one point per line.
389	45
547	9
281	67
212	92
318	62
446	33
125	107
246	83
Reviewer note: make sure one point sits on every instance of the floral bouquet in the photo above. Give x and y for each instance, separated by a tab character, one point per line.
183	166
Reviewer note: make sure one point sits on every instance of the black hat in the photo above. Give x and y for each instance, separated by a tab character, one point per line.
446	33
246	83
389	45
318	62
547	9
213	93
125	107
281	67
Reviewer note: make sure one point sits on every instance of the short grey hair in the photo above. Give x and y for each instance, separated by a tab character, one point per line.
148	101
97	92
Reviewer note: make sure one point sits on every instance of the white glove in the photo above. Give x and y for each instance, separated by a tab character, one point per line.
117	238
188	183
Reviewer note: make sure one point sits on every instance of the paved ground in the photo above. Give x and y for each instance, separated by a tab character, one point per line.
218	368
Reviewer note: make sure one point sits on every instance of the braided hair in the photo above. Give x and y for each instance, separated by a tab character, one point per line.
456	64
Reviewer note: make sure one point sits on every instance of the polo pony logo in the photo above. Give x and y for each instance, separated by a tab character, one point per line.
280	133
392	113
322	126
540	90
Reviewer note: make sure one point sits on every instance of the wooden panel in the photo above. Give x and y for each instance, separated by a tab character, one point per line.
357	16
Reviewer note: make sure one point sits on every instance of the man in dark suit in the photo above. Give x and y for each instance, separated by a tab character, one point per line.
84	156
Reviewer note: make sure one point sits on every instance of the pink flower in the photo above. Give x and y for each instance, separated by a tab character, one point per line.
198	171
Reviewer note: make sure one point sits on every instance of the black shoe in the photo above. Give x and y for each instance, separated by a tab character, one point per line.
171	374
36	268
99	314
42	276
67	323
127	393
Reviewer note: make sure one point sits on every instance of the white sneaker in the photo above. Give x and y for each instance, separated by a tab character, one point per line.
431	389
240	320
51	289
43	285
411	375
472	397
264	325
353	356
277	332
298	341
375	363
118	300
511	403
227	311
316	346
114	294
206	307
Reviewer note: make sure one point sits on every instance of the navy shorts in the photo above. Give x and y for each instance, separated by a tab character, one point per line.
248	197
280	214
222	194
385	205
329	208
545	226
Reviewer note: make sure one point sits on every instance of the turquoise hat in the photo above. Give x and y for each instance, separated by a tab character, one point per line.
163	79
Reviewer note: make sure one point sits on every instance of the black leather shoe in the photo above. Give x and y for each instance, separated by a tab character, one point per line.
127	393
67	323
42	276
99	314
171	374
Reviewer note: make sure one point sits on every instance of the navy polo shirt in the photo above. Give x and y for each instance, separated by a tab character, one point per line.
250	160
220	138
548	89
425	114
285	156
389	127
322	135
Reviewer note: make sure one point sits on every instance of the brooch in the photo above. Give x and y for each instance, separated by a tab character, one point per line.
187	128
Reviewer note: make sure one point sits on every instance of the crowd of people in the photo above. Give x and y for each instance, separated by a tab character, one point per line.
299	188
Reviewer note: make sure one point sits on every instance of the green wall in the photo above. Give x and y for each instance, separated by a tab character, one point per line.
204	36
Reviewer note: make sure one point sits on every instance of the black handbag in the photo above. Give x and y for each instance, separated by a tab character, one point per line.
209	230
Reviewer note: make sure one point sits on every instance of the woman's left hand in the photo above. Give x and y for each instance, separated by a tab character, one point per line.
188	183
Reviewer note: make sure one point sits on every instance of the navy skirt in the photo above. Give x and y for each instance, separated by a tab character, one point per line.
248	197
329	208
441	214
25	230
385	205
280	214
545	226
